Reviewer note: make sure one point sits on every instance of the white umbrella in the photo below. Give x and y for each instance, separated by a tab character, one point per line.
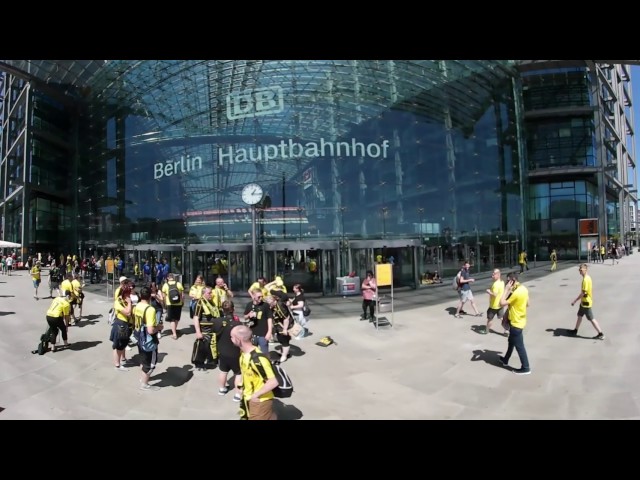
5	244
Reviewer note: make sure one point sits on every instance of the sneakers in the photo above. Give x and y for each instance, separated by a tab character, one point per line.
484	330
127	348
237	397
223	391
573	332
599	336
522	371
149	388
457	315
503	361
122	368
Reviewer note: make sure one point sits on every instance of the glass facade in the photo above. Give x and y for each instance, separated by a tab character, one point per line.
423	163
347	151
580	154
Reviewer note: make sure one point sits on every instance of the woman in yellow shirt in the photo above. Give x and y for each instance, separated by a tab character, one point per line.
195	292
122	326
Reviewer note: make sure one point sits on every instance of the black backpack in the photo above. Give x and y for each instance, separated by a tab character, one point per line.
174	293
43	346
285	387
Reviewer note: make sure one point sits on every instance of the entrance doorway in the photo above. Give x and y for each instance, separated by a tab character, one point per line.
229	261
314	266
401	253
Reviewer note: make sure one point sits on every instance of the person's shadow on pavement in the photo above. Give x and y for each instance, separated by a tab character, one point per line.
286	412
173	376
488	356
82	345
565	332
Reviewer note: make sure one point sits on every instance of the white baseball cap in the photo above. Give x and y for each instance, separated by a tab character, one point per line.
123	278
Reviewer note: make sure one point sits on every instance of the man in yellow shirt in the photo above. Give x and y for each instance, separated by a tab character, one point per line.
257	392
205	348
58	318
35	276
495	292
173	293
221	292
144	312
586	302
77	297
258	285
516	297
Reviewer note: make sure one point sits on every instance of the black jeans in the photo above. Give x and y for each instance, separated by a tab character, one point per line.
516	340
371	304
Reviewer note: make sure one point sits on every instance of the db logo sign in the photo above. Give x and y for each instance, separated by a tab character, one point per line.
253	103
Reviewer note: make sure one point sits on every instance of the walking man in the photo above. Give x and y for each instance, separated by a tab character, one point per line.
516	297
586	302
465	293
522	260
35	276
257	392
495	293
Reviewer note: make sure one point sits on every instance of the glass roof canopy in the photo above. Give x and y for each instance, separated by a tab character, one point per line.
186	99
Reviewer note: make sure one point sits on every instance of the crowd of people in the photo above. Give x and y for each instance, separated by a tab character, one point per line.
227	340
223	339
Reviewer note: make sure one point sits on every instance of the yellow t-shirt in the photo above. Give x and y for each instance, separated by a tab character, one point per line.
149	316
119	305
518	307
35	272
251	379
219	295
59	307
256	286
521	257
497	289
587	292
196	291
66	286
165	290
77	287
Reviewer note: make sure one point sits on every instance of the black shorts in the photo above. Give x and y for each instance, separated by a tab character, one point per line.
492	312
227	364
148	360
283	339
173	313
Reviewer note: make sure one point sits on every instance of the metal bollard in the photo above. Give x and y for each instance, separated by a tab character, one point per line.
535	256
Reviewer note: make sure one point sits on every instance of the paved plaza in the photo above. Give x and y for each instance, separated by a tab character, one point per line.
429	365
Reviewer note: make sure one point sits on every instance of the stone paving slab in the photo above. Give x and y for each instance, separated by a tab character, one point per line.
429	365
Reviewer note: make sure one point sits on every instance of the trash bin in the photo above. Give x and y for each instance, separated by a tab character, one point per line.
348	286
